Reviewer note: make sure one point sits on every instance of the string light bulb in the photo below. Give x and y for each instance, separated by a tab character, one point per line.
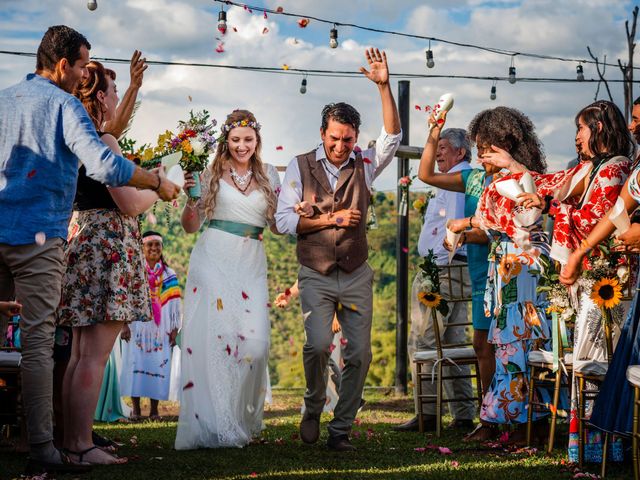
222	22
303	86
92	5
493	95
580	73
333	37
430	62
512	75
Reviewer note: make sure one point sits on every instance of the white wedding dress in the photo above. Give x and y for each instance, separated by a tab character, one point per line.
226	329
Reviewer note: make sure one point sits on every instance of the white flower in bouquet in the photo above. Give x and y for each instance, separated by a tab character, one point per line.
567	314
198	147
623	273
425	283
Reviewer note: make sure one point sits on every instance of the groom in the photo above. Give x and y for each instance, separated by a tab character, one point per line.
334	277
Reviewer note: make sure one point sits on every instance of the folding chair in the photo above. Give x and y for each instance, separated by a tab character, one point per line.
430	363
633	376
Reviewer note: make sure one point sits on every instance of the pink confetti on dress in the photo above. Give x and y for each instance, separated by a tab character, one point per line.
366	160
235	352
343	341
332	347
188	386
268	305
427	108
279	147
245	296
41	238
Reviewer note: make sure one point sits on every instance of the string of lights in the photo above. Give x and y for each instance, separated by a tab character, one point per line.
333	37
305	73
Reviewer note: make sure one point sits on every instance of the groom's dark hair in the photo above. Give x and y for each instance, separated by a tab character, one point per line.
342	113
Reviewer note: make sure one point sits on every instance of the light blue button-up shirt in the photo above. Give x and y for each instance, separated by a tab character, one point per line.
44	132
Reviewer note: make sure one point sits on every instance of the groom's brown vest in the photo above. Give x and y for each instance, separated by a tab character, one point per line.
333	247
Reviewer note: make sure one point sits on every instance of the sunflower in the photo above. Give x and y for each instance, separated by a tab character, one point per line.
509	267
429	299
606	293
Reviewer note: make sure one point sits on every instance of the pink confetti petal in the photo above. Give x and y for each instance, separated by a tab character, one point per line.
366	160
444	451
220	47
405	249
303	22
279	147
242	337
427	108
279	9
247	9
235	29
151	218
245	296
455	464
332	347
417	107
235	353
291	341
31	173
195	289
260	237
343	341
188	386
268	305
420	449
265	15
228	349
265	30
189	351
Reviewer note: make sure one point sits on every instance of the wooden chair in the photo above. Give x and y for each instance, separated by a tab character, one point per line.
633	376
549	368
430	363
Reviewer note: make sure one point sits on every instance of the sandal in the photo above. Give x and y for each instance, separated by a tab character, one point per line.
104	443
482	433
83	453
66	465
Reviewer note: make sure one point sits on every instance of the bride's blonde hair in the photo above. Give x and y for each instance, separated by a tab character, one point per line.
239	118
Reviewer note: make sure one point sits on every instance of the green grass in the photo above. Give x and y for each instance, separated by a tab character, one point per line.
382	453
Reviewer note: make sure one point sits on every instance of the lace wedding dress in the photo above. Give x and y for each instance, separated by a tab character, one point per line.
225	333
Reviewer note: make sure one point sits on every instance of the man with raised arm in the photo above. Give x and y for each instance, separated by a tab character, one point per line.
334	276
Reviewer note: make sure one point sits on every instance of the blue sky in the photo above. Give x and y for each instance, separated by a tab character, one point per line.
185	31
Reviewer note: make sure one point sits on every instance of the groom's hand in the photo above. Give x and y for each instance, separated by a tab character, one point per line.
345	218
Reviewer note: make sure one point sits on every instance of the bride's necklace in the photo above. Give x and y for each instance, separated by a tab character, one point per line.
241	180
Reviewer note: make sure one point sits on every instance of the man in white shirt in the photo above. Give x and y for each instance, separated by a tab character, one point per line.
453	155
334	276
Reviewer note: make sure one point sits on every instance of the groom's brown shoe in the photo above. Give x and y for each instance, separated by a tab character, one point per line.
310	428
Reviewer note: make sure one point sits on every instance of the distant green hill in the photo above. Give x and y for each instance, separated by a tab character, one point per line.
287	332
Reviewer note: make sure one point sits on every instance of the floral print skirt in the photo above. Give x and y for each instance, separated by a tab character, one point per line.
519	323
105	278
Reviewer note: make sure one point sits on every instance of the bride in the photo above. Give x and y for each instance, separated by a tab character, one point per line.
225	334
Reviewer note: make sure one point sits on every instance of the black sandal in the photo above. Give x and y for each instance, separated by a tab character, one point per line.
81	455
104	443
66	465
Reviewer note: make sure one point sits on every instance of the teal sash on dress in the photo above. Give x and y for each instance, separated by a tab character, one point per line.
235	228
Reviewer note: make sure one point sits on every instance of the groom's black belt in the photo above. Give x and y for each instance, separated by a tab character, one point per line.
459	258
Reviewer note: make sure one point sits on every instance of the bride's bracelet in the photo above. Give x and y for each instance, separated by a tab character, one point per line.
192	203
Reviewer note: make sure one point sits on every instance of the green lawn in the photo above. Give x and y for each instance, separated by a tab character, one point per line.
382	453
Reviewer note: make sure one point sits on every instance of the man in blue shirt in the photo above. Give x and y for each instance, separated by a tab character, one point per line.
44	133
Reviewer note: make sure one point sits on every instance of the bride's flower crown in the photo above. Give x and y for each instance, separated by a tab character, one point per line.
227	127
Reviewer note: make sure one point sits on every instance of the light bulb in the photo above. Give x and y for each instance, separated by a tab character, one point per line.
222	22
512	75
303	86
92	5
430	62
493	93
333	38
580	73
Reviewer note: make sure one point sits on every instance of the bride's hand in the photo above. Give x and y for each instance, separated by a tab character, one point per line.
304	209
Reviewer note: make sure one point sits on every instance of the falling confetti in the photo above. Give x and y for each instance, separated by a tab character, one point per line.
31	173
220	47
444	451
427	108
332	347
303	22
343	341
366	160
353	307
405	249
260	237
268	305
285	67
219	304
279	147
189	351
151	218
247	9
188	386
235	29
265	30
305	315
245	296
41	237
279	9
228	349
265	15
235	352
417	107
195	289
189	97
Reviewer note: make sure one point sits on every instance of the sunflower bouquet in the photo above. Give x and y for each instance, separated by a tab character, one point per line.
429	286
421	203
557	294
605	274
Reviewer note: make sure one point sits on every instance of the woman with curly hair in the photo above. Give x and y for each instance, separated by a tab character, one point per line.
518	245
225	333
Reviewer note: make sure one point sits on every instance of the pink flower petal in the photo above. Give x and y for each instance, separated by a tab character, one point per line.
279	147
245	296
188	386
444	451
265	29
31	173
